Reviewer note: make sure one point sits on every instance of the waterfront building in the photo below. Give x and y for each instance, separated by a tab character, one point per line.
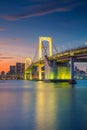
12	70
3	75
20	67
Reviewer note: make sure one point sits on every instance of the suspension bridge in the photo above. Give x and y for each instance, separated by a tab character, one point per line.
50	66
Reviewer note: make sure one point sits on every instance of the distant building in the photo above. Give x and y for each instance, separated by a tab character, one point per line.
12	70
76	69
20	67
2	75
79	74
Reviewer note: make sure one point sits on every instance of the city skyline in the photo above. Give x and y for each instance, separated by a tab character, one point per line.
23	21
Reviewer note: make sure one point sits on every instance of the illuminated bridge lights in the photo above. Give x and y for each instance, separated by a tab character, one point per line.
41	39
61	72
27	71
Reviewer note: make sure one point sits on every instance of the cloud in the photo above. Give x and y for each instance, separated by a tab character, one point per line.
11	41
2	29
43	8
31	14
16	40
16	46
6	57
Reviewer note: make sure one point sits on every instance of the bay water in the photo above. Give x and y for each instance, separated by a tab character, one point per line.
31	105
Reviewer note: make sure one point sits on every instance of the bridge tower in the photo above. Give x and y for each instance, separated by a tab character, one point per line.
41	47
28	62
49	40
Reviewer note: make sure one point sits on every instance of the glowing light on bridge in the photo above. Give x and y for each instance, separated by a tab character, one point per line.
64	62
26	61
41	39
63	73
49	40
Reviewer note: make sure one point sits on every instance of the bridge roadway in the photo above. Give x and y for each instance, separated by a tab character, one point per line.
79	54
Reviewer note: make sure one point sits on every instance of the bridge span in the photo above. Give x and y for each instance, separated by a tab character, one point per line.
79	54
56	67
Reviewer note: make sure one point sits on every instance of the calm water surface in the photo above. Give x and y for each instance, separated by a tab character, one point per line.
29	105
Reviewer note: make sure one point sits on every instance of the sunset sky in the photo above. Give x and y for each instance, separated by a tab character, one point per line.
23	21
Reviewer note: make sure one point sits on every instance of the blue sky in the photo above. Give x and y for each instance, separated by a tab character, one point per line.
23	21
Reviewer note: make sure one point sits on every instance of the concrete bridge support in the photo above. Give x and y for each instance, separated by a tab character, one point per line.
40	71
72	67
72	80
53	70
28	75
28	62
57	71
47	68
63	72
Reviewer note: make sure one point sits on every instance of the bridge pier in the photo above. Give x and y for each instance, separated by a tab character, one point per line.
29	60
72	80
72	67
30	75
40	74
40	71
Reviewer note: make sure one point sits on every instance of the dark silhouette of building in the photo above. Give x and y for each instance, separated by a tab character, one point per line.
20	67
2	76
12	70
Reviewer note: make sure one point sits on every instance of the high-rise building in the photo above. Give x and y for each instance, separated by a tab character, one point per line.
20	70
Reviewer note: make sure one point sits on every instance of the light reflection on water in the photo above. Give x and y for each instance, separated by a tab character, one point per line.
28	105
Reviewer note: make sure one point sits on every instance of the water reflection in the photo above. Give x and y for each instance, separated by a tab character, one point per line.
45	108
51	104
28	105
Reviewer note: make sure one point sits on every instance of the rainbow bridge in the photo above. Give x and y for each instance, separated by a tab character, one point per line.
54	67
